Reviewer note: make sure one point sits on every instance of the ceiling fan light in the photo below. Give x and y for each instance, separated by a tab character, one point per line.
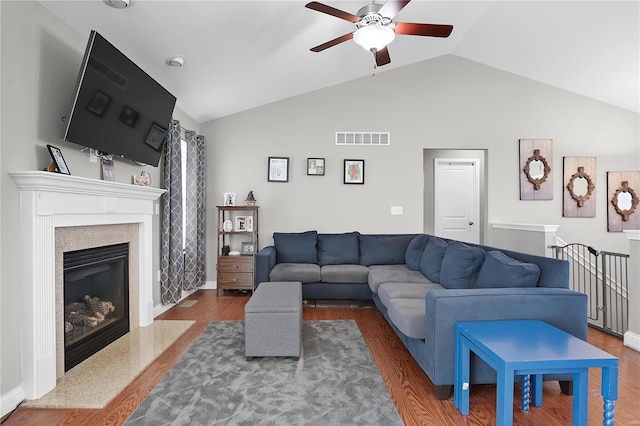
374	37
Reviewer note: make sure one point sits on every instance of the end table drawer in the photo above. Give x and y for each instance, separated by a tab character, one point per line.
235	264
235	280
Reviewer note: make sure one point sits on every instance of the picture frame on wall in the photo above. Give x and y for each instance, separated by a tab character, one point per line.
278	169
354	172
315	166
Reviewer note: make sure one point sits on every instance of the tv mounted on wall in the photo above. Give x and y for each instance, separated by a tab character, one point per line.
118	108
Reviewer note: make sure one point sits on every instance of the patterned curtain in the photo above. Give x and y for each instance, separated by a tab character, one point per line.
194	250
182	266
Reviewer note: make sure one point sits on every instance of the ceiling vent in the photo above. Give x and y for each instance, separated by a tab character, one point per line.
363	138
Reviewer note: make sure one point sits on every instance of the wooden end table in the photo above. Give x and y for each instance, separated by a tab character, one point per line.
531	347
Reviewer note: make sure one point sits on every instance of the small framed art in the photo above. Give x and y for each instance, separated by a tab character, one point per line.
107	169
247	248
241	224
249	224
278	169
315	166
229	199
58	164
354	172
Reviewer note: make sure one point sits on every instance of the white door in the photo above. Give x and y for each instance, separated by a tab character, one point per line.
457	199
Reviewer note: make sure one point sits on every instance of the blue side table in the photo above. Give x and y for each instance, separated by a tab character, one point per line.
531	347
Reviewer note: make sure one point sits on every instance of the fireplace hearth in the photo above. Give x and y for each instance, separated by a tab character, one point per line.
96	300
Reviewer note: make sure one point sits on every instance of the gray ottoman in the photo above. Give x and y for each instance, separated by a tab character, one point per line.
273	320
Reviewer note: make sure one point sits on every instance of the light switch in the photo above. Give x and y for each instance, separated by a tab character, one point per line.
396	210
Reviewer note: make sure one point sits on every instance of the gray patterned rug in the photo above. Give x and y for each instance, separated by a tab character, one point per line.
335	382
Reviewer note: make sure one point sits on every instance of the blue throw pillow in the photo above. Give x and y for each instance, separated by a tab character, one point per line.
461	265
338	249
502	271
413	256
383	249
296	247
431	261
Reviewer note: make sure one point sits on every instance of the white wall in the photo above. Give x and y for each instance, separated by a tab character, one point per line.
446	103
39	64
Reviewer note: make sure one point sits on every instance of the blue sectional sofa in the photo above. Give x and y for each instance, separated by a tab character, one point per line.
423	285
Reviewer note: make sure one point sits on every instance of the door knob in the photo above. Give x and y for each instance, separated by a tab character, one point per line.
470	223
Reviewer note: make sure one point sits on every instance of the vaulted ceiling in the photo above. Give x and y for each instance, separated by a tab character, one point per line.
242	54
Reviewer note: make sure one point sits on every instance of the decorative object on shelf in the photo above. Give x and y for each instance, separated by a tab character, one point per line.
229	199
315	166
536	182
144	179
107	168
226	250
227	226
241	224
234	253
247	248
579	198
354	172
622	213
250	200
58	164
278	169
249	224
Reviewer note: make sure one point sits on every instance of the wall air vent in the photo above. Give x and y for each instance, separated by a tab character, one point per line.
363	138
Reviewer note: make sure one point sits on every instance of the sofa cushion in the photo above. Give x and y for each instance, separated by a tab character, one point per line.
409	316
296	247
380	274
431	261
388	291
303	272
344	273
338	249
413	255
383	249
461	265
502	271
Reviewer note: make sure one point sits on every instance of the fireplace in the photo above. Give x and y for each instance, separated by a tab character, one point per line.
96	300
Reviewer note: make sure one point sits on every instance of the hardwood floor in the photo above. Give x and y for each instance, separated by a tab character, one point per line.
409	388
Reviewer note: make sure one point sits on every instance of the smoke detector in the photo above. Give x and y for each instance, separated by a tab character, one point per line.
119	4
175	61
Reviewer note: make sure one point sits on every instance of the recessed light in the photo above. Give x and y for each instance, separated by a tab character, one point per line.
119	4
175	61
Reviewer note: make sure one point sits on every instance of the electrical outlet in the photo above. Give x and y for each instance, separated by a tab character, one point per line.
93	158
396	210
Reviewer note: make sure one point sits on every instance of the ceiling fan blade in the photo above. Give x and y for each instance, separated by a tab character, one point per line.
382	57
431	30
314	5
391	8
333	42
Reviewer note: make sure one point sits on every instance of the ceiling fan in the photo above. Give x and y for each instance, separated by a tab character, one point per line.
375	28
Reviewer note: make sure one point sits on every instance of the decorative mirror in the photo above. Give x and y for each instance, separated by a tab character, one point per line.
625	201
537	169
580	186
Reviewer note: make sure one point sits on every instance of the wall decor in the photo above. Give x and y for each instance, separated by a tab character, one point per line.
229	199
354	172
622	201
58	164
315	166
536	158
579	191
107	168
278	169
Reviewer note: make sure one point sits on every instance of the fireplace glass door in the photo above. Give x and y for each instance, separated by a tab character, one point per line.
96	300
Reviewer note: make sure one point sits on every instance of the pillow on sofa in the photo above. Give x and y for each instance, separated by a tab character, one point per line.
338	249
502	271
431	261
381	249
296	247
461	265
413	256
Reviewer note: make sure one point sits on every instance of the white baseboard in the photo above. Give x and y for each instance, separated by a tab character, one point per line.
632	340
160	309
10	400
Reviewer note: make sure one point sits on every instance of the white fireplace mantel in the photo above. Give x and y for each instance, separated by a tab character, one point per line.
49	201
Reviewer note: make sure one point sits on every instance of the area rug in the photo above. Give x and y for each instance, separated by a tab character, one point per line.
101	377
335	382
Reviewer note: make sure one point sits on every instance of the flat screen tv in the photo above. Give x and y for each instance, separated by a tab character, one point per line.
118	108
